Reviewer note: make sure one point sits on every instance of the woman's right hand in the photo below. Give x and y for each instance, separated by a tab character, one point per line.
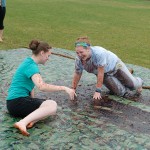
71	92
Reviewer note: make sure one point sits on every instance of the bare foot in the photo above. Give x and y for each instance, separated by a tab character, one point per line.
1	39
30	125
21	126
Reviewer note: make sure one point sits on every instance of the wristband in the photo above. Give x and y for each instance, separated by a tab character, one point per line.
98	90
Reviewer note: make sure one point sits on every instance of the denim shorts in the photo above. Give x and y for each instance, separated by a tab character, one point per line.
23	106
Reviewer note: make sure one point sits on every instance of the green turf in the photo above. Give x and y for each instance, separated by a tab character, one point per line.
123	26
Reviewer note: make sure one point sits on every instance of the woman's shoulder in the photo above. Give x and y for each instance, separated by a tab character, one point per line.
28	62
98	50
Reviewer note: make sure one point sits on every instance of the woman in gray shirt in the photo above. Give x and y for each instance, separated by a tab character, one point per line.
108	68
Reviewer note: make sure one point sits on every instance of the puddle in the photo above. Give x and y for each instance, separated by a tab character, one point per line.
116	123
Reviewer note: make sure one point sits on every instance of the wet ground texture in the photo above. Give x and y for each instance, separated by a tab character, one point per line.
114	123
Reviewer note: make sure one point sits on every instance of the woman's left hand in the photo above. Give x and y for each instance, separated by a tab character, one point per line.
97	95
71	92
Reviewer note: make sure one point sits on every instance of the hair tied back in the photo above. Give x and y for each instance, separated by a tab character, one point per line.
34	44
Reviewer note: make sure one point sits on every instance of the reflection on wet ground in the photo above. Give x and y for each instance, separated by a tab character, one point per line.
115	123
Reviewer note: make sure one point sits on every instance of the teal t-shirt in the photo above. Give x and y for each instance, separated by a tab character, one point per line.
22	84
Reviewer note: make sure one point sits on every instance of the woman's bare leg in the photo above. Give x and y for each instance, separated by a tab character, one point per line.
46	109
31	124
1	35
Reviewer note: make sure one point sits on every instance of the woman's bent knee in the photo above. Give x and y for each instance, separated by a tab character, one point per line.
51	105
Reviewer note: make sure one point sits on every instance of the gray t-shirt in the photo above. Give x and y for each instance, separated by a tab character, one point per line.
99	57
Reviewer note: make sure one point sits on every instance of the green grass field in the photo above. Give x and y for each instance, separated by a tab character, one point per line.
122	26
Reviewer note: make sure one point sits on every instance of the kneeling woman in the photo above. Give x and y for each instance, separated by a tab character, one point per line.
108	68
21	101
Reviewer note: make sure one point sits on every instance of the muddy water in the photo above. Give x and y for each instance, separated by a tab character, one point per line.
115	123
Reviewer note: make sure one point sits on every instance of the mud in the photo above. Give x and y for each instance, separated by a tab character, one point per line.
127	117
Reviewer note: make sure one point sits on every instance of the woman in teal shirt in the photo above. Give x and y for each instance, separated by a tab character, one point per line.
2	16
20	99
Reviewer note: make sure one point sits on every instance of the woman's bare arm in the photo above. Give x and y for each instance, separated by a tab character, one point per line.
100	77
75	81
42	86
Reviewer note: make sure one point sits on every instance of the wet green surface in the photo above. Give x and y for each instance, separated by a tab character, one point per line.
116	124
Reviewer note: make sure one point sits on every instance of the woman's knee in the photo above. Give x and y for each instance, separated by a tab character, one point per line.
115	86
120	91
51	104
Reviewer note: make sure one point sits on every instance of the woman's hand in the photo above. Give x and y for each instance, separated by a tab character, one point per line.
71	92
32	93
97	95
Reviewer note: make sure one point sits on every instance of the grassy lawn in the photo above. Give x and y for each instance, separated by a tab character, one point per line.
122	26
